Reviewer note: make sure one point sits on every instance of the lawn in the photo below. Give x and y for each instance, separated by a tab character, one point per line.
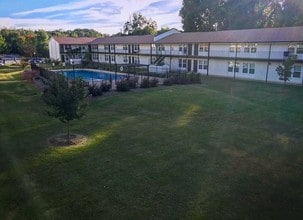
11	73
220	150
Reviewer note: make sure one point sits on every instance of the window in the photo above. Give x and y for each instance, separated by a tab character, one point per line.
292	49
106	47
113	58
136	60
125	59
161	48
125	47
300	48
95	56
203	64
106	58
203	48
183	48
95	47
136	47
230	66
251	68
237	67
297	72
182	63
245	68
253	48
232	48
112	47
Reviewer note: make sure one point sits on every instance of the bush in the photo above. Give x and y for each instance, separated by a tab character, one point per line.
194	77
145	83
132	82
153	82
30	75
95	90
106	87
123	85
168	82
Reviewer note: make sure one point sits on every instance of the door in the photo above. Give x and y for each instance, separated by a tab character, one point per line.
189	65
195	66
196	49
190	49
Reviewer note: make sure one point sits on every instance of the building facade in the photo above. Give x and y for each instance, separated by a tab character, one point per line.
249	54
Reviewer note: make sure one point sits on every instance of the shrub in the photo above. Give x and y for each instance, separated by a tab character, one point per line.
132	82
153	82
123	85
95	90
30	75
194	77
145	83
168	82
106	87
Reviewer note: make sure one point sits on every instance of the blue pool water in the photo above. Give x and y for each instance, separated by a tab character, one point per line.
91	75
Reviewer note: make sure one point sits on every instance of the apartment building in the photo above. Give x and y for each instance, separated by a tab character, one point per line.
69	48
250	54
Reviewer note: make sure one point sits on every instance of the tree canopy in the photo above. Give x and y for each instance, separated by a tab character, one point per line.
211	15
66	100
140	25
35	43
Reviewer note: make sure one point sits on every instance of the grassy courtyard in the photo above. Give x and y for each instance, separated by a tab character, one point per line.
220	150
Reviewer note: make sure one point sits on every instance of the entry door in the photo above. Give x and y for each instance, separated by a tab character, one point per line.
196	49
195	66
190	49
189	65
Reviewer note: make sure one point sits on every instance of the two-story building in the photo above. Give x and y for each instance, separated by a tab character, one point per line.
250	54
69	48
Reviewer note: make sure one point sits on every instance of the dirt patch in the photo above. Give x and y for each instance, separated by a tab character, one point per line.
62	140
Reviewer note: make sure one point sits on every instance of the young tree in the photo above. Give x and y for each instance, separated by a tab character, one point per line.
284	70
67	100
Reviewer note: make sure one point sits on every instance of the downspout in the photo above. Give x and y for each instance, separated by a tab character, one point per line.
235	65
208	54
268	62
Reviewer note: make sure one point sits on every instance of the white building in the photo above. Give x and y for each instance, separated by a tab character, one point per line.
65	49
249	54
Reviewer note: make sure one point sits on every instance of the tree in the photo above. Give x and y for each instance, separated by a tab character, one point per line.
211	15
67	100
285	70
42	39
26	43
140	25
3	45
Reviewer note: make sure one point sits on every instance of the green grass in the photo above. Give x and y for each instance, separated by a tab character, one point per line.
11	73
220	150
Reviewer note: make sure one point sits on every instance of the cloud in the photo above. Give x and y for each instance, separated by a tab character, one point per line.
106	16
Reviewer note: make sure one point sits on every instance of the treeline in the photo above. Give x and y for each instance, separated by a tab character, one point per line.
35	43
212	15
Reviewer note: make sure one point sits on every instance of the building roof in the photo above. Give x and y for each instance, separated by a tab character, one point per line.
285	34
134	39
74	40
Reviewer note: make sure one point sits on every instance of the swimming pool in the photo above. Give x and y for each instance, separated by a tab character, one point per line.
91	75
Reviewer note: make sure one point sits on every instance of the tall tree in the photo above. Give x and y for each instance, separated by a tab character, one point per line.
209	15
27	43
42	39
66	101
292	13
140	25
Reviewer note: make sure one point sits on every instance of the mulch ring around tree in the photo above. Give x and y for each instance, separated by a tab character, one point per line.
62	140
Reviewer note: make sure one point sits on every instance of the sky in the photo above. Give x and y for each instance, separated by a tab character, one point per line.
105	16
